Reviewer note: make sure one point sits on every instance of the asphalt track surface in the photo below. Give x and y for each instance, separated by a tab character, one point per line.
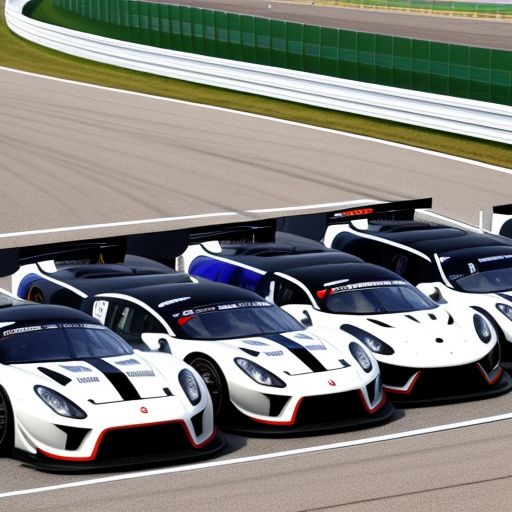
82	162
75	155
489	33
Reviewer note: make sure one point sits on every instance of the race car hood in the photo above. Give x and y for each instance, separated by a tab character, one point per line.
102	380
425	339
294	353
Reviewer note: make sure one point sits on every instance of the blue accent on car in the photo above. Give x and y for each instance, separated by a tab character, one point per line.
25	285
225	272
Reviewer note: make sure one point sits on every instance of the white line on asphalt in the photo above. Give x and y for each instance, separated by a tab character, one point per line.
258	458
174	219
277	120
312	206
115	224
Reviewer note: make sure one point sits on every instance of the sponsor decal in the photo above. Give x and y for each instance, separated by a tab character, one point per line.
472	268
47	327
172	301
321	294
315	347
127	362
30	328
222	307
87	380
76	369
144	410
301	336
274	353
495	258
331	382
141	373
99	310
353	213
256	342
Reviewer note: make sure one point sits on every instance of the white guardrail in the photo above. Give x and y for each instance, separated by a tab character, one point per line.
456	115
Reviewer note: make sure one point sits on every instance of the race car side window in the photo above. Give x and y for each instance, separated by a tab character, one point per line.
289	293
130	321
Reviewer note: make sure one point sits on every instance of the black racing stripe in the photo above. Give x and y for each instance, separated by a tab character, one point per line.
56	376
117	378
299	351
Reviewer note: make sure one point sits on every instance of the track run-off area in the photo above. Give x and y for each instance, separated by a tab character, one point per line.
81	161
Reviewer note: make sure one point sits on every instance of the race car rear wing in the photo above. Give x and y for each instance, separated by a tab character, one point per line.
162	246
315	225
501	223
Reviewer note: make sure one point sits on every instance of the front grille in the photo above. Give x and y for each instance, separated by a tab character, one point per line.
329	408
396	376
458	380
141	441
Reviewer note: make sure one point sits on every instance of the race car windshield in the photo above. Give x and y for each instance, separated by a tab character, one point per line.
370	300
234	320
482	273
58	342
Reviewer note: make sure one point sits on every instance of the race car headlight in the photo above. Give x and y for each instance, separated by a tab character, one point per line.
505	309
258	373
361	357
372	342
190	386
59	404
482	327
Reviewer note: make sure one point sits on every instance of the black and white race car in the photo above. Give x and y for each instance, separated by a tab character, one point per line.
426	351
74	395
265	371
448	263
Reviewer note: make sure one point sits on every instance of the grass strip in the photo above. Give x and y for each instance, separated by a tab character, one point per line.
17	53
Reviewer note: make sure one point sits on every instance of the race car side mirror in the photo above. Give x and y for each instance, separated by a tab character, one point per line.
432	291
306	319
164	346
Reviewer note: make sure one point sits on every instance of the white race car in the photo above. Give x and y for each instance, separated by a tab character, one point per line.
74	395
449	263
265	371
426	351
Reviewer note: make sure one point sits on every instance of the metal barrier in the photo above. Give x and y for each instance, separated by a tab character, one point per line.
467	117
475	73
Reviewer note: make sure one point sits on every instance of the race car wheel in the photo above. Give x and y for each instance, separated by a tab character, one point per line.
6	424
215	382
35	294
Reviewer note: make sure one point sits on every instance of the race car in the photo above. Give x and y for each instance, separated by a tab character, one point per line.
427	352
74	395
449	263
265	371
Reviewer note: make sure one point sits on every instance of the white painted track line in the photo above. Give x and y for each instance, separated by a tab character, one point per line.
266	456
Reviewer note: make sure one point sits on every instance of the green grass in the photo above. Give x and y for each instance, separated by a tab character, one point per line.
18	53
437	6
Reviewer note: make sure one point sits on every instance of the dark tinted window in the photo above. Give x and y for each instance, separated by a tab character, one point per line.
59	342
289	293
235	320
378	299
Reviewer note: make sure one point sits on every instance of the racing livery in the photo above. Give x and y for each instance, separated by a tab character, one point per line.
74	395
265	371
426	351
448	263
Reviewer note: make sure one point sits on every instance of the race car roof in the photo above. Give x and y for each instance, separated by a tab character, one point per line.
173	298
272	259
32	312
319	277
92	279
431	238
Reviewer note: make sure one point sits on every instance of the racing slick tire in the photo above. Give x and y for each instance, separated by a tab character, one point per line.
6	425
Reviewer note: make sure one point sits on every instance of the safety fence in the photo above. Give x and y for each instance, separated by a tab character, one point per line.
467	72
455	115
